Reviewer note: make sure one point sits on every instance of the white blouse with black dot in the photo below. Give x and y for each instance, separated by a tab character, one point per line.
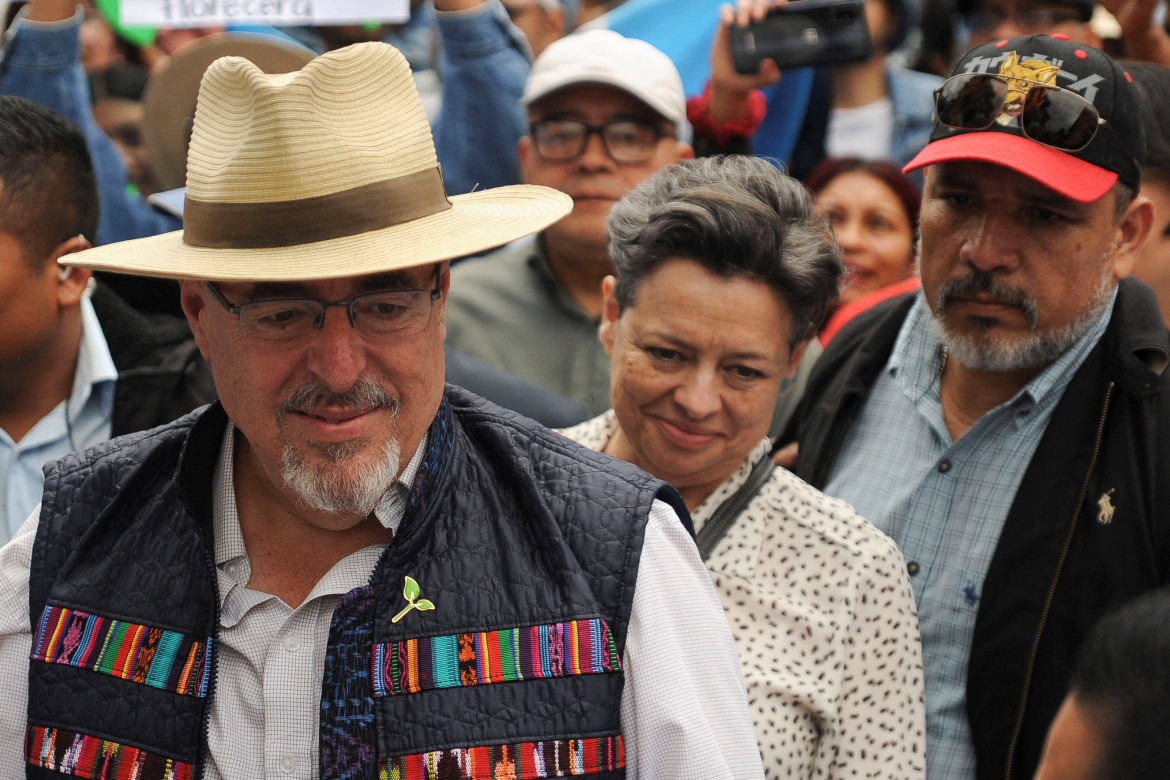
824	621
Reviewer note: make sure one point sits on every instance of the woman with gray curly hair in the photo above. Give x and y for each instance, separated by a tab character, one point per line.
723	274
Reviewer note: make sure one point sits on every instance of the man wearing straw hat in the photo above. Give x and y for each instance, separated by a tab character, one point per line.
346	569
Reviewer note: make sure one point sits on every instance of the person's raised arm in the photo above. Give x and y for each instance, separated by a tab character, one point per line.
1142	37
485	63
51	10
42	62
731	106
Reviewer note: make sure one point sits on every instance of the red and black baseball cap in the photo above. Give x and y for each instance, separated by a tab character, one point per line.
1062	113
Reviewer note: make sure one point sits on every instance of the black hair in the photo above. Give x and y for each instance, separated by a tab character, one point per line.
1122	680
48	191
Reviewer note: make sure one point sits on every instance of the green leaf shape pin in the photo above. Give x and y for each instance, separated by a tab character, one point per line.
410	592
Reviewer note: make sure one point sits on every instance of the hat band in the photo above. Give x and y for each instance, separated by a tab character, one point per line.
380	204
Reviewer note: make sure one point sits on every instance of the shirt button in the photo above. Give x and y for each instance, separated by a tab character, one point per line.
292	643
912	568
944	467
288	765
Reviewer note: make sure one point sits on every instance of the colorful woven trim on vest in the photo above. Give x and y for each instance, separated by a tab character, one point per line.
525	761
507	655
80	755
150	656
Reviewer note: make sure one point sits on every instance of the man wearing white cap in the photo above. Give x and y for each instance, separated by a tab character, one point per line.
345	568
604	113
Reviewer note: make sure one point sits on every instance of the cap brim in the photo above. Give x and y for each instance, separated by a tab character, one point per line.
1073	178
476	222
630	86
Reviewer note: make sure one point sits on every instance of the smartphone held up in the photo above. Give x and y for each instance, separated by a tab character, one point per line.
803	33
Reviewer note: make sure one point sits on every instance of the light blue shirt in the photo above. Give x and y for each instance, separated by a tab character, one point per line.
945	502
81	420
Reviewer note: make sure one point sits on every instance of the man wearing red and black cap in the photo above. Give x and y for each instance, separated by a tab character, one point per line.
1009	426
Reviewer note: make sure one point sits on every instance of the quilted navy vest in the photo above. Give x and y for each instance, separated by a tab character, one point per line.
488	640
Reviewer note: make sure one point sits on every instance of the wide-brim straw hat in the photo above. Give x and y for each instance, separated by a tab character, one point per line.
323	173
170	97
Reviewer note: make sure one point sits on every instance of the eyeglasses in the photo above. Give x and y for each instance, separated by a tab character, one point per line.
1048	114
1027	19
374	314
625	141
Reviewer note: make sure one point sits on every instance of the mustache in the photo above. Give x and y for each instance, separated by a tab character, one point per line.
365	394
987	284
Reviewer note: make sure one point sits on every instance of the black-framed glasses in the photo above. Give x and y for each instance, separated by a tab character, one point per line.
625	140
373	314
1027	19
1048	114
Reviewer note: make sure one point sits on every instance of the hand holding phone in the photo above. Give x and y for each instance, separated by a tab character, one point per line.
803	33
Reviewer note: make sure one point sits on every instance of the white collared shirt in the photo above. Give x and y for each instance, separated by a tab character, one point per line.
821	609
81	420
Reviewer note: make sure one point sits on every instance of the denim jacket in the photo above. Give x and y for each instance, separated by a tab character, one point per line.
485	62
42	62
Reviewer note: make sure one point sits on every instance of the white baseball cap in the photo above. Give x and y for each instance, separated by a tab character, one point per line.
606	57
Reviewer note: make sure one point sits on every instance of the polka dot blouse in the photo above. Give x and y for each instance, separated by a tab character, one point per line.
823	617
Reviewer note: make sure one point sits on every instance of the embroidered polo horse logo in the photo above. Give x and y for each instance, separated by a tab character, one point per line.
1021	75
1105	508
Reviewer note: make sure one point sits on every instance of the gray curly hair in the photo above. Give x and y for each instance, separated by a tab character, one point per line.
735	216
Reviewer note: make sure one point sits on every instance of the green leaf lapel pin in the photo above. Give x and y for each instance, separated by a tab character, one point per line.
410	592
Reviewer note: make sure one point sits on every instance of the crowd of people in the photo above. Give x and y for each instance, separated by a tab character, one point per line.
809	425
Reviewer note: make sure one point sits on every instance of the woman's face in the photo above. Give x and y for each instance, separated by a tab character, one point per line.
1153	264
873	230
695	369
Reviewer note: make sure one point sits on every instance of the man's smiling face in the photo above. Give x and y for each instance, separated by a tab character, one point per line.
332	405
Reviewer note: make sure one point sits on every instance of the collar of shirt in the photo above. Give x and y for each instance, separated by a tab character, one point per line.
916	363
231	556
82	420
595	433
96	373
85	415
538	262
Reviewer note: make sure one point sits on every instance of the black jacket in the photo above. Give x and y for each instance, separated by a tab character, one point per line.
161	375
1059	563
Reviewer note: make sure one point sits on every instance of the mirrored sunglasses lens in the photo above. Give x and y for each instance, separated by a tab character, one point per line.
1059	119
970	102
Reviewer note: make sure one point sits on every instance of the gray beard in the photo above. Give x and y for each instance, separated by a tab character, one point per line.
337	487
1035	349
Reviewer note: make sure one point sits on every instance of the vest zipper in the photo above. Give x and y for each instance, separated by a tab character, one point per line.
1019	727
204	751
